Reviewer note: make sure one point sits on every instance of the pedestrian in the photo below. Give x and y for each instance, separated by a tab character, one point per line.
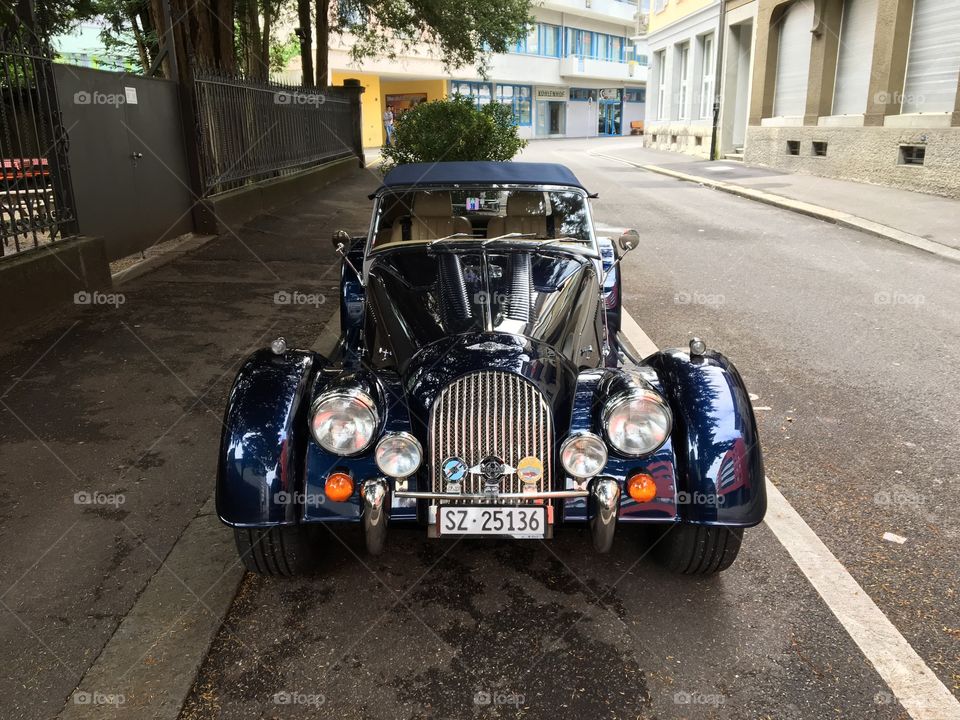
388	124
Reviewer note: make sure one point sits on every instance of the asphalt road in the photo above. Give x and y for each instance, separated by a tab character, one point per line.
850	343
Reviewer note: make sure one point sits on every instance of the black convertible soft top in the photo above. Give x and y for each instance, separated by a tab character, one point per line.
480	173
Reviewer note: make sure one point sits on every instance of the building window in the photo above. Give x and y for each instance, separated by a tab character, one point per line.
643	60
706	86
479	92
934	56
518	98
661	57
659	5
583	94
635	95
793	147
912	154
683	61
819	148
600	46
542	39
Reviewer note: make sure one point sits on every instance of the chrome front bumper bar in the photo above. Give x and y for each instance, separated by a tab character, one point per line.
552	495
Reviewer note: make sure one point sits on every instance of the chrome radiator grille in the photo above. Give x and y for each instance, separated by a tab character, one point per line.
487	414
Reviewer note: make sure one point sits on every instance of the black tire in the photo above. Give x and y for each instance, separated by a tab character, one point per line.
278	551
697	549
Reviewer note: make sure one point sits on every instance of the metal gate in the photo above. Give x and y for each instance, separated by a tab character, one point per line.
36	203
126	142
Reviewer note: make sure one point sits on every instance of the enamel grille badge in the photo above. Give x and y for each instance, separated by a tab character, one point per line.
454	469
530	470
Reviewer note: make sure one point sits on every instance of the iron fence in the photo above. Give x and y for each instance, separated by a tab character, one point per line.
36	199
254	130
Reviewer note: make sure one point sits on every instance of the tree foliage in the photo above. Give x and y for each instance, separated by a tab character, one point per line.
453	129
464	32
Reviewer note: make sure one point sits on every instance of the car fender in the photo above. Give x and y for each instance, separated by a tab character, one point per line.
260	467
720	475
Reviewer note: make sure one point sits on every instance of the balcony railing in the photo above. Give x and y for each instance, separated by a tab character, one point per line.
574	66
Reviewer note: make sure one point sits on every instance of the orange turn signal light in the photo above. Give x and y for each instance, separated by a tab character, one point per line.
642	487
339	487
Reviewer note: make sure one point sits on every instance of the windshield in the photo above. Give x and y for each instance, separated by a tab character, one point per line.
482	213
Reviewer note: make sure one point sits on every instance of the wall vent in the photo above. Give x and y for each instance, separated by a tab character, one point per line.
912	154
793	147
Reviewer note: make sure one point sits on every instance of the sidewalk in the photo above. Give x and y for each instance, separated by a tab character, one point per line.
926	221
110	420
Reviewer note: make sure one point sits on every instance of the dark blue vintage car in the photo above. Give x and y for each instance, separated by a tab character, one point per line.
482	387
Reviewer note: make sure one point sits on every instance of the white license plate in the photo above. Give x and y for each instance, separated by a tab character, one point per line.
518	522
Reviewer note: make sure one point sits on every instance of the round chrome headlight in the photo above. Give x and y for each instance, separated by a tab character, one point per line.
344	421
583	455
637	423
399	455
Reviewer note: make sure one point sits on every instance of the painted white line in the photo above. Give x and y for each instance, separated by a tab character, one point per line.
637	337
914	684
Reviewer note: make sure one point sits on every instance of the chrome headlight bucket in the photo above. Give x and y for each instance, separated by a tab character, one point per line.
399	455
344	421
637	422
583	455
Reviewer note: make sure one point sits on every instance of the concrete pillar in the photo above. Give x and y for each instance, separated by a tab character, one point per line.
890	46
765	59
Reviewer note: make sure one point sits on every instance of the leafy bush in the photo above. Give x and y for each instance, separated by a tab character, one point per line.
453	129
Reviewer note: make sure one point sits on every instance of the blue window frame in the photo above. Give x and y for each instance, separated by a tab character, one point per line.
637	95
541	39
480	92
520	99
589	44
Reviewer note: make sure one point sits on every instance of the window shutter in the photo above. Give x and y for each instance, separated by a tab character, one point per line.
855	57
793	60
934	60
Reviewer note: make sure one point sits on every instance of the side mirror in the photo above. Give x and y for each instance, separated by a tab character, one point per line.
629	240
341	237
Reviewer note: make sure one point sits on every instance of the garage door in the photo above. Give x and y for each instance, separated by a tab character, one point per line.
855	57
793	60
934	61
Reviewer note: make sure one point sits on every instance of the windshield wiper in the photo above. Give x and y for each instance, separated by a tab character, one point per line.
449	237
510	235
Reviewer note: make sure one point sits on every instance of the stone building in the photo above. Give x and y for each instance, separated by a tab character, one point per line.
864	90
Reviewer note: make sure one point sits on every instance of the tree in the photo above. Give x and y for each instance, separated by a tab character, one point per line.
465	32
453	129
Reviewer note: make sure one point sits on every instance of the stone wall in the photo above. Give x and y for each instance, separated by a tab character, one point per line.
869	154
692	139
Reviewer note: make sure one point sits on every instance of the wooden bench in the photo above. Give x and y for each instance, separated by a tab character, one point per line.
636	127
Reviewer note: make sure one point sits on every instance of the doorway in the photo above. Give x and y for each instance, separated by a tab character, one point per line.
551	118
609	117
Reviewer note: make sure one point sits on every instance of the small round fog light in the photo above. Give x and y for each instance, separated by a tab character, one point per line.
399	455
583	455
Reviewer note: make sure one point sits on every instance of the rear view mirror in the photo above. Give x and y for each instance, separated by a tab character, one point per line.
341	237
629	240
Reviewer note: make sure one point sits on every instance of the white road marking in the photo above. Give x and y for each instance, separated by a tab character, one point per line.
914	684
